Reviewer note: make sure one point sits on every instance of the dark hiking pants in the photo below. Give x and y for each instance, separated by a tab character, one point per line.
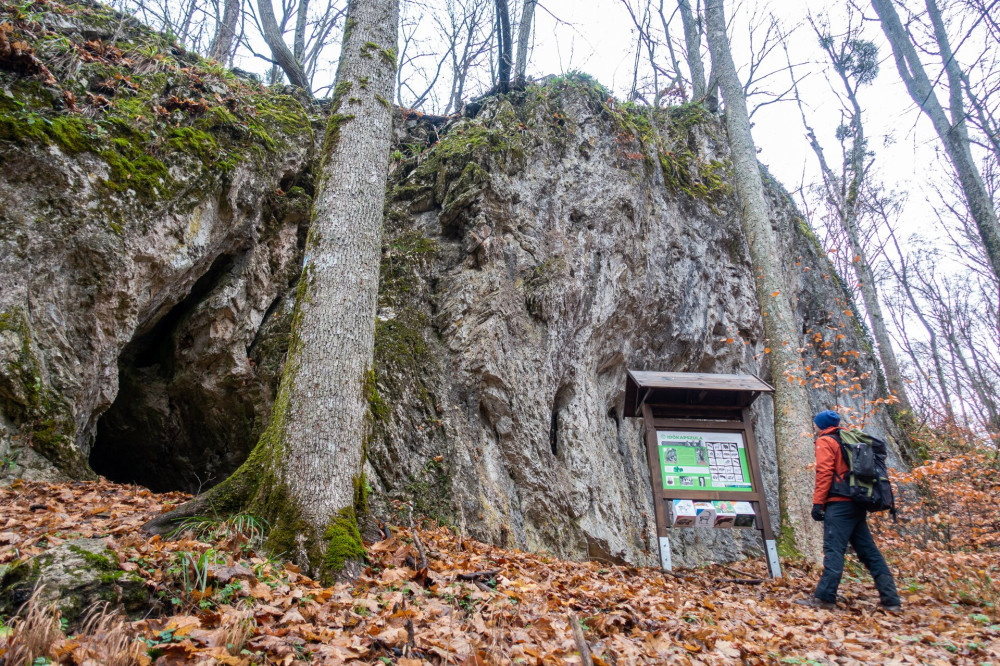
845	524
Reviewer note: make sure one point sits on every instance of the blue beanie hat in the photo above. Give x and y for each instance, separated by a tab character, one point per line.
827	419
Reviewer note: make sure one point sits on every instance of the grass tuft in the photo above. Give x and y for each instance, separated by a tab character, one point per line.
32	633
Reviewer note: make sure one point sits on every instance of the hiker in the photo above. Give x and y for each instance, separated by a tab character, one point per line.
844	521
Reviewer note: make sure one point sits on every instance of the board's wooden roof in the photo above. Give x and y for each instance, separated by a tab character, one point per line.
694	389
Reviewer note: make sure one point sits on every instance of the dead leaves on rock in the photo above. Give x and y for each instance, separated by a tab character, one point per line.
17	56
173	103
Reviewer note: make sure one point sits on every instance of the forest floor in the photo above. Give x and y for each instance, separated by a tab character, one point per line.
518	606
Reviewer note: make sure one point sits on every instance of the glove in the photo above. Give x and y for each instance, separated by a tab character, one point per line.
818	513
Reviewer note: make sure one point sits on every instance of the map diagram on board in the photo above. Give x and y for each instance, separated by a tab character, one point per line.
703	461
724	462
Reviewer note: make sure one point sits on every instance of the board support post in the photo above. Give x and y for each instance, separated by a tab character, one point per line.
665	562
773	563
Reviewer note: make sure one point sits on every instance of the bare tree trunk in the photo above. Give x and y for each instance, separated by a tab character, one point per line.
954	133
792	418
523	40
903	279
299	40
503	46
184	32
305	474
692	41
983	388
225	32
279	50
990	422
845	194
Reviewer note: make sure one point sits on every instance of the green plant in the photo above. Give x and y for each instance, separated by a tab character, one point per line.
244	527
191	571
228	593
162	638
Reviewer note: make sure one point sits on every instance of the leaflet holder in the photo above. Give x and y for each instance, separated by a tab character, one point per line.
700	446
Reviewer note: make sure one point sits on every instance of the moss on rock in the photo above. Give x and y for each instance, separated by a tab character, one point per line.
45	416
75	575
154	108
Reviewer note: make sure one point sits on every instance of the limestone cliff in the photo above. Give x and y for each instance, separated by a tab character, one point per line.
154	208
531	257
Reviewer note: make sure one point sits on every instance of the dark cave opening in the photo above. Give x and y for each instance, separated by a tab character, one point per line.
559	403
166	431
554	433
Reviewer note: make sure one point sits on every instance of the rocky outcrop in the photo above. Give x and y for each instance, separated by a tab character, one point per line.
154	208
532	256
73	576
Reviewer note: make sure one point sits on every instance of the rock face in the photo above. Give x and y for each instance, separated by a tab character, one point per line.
73	576
533	256
152	229
145	234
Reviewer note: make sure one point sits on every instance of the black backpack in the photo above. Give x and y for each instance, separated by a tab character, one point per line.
867	479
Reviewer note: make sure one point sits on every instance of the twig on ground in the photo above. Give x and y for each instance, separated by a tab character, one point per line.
675	575
581	642
735	571
740	581
476	575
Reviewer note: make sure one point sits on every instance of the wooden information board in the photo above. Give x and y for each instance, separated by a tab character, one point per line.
700	447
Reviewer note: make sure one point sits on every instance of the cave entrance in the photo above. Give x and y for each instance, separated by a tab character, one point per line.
183	419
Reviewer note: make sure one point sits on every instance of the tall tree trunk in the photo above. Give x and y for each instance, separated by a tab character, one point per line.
305	474
279	50
846	199
692	41
523	39
869	294
792	418
225	32
903	279
299	40
990	422
954	133
503	46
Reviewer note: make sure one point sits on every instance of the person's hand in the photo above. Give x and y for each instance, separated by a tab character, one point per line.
818	513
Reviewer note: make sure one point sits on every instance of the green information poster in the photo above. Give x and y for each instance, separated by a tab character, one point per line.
703	461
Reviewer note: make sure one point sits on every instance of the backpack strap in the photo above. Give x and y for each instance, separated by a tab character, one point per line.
838	478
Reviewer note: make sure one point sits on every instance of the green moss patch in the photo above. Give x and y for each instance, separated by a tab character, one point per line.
46	416
141	106
343	541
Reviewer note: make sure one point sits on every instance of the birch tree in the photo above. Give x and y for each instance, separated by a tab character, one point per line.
792	418
305	474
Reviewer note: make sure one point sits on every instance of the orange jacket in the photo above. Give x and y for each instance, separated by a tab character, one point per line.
829	461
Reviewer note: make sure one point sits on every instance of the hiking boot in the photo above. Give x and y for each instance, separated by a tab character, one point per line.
892	609
815	602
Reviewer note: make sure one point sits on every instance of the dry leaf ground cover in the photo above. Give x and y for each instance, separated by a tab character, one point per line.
220	602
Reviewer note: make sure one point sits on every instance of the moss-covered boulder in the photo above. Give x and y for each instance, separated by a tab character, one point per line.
74	575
